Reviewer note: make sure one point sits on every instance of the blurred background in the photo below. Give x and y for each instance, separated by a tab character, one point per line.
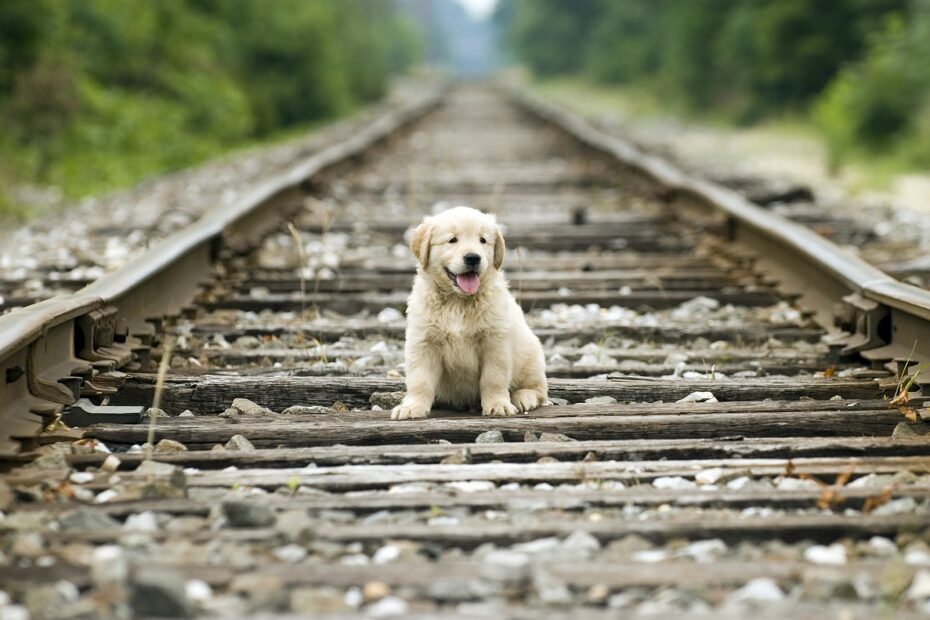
99	94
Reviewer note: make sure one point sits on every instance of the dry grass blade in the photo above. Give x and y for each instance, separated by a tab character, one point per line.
883	497
163	366
298	243
830	496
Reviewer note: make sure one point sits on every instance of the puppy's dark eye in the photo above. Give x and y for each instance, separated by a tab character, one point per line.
483	240
453	239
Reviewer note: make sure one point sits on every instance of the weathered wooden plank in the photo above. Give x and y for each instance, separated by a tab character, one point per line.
747	334
422	575
349	303
354	477
214	393
627	450
306	353
567	260
638	281
506	500
786	527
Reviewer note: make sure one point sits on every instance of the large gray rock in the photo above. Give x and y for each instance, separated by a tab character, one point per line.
246	407
158	593
238	443
248	514
490	437
306	410
85	519
386	400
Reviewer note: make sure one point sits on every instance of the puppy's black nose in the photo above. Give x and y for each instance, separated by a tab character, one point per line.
472	259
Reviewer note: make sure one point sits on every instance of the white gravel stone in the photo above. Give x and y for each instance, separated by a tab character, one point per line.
386	554
247	407
699	397
917	554
898	506
551	590
705	551
387	607
920	586
709	476
673	483
538	546
141	522
111	463
105	496
881	546
353	598
472	486
490	437
197	590
580	544
738	483
81	477
238	443
411	487
650	556
796	484
833	555
290	553
390	315
109	565
14	612
761	590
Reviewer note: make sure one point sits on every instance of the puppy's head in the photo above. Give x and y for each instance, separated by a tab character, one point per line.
460	249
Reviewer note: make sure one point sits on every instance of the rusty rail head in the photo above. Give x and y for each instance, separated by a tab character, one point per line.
878	316
49	350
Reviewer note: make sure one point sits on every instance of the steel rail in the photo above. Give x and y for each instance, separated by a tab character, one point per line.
49	351
867	311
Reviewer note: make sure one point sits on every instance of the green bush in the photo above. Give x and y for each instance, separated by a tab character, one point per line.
96	94
882	104
747	58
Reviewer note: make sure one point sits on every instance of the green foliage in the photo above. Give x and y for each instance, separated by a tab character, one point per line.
548	34
625	43
750	57
99	93
882	104
860	65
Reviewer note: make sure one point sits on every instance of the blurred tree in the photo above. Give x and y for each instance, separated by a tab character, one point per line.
749	57
625	41
97	93
550	36
882	103
25	28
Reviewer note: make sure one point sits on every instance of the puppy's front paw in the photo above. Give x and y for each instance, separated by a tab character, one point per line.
499	408
409	411
526	400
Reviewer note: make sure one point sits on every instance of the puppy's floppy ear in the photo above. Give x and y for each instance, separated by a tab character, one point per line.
498	249
420	242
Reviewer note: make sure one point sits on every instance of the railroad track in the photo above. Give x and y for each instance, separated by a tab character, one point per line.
278	484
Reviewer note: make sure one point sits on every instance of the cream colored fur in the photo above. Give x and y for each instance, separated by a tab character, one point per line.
467	350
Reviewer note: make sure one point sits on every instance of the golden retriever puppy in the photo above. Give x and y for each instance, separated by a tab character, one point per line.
468	343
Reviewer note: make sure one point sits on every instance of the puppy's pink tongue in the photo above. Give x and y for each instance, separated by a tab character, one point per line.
468	282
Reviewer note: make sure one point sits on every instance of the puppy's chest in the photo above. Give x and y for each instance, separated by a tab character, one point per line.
459	348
